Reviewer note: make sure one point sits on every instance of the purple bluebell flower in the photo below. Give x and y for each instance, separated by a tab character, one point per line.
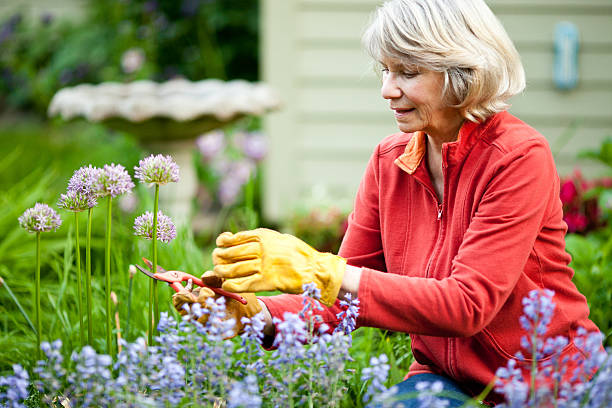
115	180
428	394
157	169
377	372
244	394
77	201
40	218
16	391
348	315
143	227
253	145
211	144
511	385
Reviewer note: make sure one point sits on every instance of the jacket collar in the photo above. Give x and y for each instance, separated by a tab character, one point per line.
469	134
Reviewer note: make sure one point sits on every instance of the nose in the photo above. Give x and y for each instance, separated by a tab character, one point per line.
390	88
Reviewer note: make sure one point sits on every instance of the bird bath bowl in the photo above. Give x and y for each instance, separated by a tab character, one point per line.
166	118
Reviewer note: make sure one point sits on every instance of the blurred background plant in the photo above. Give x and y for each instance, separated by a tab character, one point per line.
587	206
119	40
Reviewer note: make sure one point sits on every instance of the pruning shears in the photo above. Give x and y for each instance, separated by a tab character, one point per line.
174	279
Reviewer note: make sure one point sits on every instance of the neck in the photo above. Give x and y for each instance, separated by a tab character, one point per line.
449	133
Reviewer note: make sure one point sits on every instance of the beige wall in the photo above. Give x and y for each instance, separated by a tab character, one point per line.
333	115
70	9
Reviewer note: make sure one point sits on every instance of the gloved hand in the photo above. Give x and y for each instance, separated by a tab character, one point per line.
262	259
233	308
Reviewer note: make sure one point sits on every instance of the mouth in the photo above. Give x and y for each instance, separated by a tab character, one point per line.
402	112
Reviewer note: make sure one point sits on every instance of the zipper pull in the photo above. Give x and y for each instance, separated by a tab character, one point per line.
439	212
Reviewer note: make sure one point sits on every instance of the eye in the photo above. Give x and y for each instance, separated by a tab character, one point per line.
409	74
384	70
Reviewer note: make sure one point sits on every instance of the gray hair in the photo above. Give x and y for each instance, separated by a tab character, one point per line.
460	38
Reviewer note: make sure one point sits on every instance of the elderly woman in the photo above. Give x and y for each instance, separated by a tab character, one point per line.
457	217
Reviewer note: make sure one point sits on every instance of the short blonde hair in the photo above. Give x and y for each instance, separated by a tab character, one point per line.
460	38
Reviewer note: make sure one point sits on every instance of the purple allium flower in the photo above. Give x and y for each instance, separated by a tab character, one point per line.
348	315
16	388
40	218
158	169
115	180
77	201
143	227
253	145
210	144
229	189
86	180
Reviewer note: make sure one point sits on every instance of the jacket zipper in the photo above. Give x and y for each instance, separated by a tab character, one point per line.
440	207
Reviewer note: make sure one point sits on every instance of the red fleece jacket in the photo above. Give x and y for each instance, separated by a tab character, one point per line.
453	273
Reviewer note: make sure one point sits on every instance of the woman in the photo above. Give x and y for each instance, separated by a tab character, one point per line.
457	217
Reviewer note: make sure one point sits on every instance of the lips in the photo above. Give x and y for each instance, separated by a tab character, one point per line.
401	112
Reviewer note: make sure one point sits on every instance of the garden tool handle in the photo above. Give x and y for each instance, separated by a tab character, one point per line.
178	287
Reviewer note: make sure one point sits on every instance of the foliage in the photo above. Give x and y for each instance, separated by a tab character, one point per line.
322	228
121	40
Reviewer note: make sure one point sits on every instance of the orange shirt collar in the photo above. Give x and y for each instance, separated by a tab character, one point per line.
417	146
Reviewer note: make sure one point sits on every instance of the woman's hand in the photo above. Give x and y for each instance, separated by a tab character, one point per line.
264	260
233	308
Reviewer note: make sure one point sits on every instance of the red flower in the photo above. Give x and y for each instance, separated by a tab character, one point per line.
568	192
575	221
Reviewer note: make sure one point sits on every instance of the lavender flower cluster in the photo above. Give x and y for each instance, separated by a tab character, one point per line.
233	159
195	365
543	380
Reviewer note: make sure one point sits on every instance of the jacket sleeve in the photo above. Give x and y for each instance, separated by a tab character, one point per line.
362	243
489	262
361	246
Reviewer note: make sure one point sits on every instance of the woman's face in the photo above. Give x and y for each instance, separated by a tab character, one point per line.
415	95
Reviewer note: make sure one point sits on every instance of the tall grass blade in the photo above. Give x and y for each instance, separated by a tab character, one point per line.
17	303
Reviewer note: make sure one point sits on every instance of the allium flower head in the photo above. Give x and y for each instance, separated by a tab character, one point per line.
143	227
157	169
86	180
115	180
253	145
40	218
77	201
210	144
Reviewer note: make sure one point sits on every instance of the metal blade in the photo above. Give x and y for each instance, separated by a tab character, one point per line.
150	265
143	270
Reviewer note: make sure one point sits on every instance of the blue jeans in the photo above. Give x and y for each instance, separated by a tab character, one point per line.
456	397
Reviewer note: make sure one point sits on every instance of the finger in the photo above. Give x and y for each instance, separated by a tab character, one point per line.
227	239
204	294
210	279
251	283
238	269
242	252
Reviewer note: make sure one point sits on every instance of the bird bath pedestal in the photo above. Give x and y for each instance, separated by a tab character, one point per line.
166	118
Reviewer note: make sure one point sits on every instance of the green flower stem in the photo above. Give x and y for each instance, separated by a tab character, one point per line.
38	322
79	289
88	278
129	308
154	243
109	328
21	309
249	193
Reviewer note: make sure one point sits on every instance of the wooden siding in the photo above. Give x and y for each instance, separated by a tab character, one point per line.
64	9
333	114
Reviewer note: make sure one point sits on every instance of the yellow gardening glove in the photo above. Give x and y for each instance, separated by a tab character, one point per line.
262	259
233	308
